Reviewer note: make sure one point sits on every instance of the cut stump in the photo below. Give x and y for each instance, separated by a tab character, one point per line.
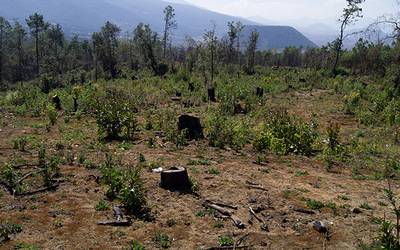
175	179
192	125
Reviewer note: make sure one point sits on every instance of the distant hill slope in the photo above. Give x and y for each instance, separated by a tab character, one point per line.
83	17
278	37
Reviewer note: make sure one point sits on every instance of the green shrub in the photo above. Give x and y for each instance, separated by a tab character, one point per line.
115	116
284	134
102	206
135	245
225	241
20	143
126	186
162	240
52	114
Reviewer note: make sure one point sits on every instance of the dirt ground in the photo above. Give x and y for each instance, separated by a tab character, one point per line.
66	218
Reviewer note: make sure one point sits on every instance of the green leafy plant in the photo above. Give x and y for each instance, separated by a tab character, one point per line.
102	206
115	116
162	240
225	241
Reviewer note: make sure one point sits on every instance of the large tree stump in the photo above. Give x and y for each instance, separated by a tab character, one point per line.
175	179
211	95
57	102
191	87
259	92
192	125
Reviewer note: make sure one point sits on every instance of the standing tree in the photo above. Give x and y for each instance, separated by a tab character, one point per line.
251	51
210	40
351	14
18	40
5	29
106	44
56	41
170	23
146	40
37	25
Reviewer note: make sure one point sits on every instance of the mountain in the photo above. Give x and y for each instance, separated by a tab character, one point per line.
278	37
83	17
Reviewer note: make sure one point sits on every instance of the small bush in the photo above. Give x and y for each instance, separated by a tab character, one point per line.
115	117
135	245
162	240
52	114
225	241
102	206
284	134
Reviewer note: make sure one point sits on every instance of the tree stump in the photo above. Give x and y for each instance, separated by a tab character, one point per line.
175	179
259	92
191	87
192	125
211	95
57	102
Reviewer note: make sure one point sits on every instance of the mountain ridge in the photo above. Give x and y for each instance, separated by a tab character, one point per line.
82	17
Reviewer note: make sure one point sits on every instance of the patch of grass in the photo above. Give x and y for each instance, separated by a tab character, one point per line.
365	206
213	171
265	170
162	240
344	197
25	246
171	222
314	204
301	173
135	245
218	224
200	213
102	206
225	241
199	162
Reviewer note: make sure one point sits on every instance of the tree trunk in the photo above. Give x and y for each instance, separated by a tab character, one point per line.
37	52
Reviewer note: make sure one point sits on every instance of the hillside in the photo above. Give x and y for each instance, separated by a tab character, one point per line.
278	37
84	17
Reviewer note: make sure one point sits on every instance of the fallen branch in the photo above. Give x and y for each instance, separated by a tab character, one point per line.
28	175
40	190
222	204
237	222
220	209
255	215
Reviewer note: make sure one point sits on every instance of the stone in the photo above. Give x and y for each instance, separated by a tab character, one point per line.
319	226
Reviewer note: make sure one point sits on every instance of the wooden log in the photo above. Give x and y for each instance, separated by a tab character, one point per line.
237	222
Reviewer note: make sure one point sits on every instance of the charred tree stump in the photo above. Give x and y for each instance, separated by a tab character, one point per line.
175	179
57	102
192	125
259	92
211	95
75	104
191	87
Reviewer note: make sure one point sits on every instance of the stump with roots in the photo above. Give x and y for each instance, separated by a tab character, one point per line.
192	125
175	179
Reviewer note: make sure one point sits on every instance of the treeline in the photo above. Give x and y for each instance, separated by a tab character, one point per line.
38	50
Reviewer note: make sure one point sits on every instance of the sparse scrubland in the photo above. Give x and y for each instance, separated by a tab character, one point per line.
292	154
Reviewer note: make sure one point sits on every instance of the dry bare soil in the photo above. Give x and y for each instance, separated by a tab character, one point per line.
278	189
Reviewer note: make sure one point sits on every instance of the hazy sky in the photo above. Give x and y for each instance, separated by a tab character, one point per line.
294	9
